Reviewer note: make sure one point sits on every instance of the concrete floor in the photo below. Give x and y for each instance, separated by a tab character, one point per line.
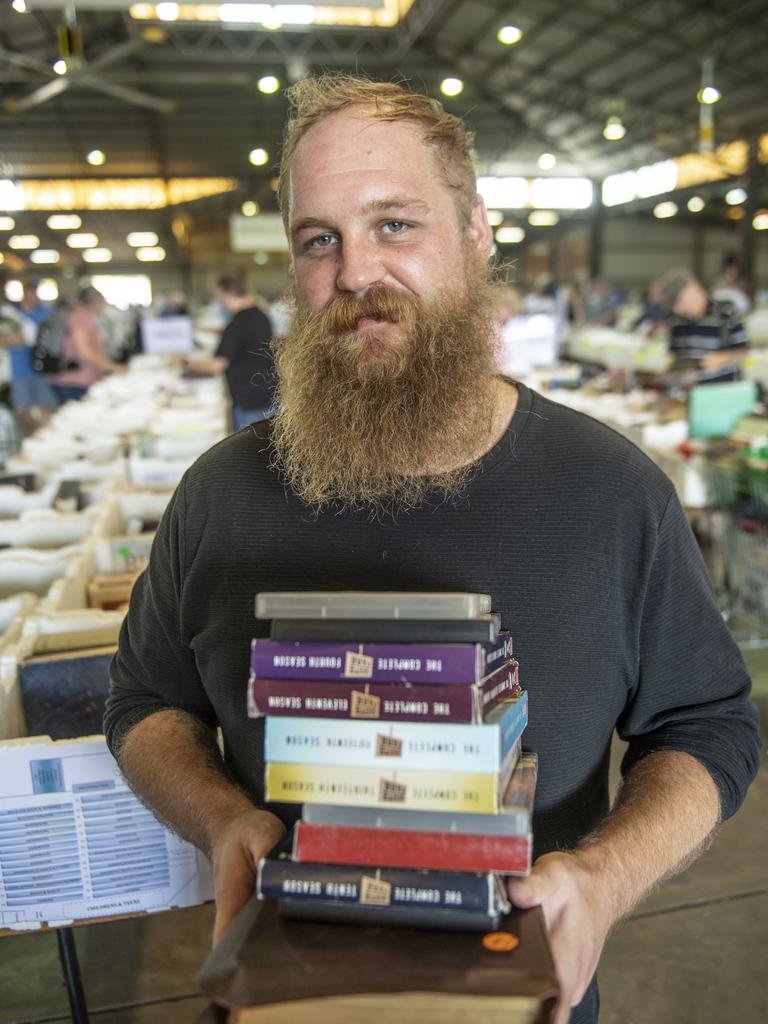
695	953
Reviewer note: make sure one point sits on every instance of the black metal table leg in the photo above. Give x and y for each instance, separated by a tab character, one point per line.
71	970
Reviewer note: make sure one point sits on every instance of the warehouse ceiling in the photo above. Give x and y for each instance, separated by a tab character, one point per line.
166	98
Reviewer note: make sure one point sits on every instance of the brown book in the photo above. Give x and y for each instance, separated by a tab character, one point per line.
273	970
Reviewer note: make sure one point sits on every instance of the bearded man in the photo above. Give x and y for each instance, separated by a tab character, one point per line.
399	460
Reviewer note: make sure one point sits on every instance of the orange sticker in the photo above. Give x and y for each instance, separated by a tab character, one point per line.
500	942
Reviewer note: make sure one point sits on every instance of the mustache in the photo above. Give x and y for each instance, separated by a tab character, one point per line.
342	315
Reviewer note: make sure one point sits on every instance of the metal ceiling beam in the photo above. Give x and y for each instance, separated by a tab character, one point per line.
374	48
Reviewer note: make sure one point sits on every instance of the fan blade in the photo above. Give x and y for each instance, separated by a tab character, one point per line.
125	92
26	62
41	95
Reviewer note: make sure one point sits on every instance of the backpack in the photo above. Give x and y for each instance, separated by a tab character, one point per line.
48	350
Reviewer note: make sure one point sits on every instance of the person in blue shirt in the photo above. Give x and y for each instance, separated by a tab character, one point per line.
32	395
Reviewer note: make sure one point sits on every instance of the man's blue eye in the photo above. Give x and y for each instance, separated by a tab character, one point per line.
395	227
320	241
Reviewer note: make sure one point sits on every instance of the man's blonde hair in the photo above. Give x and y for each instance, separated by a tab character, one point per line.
313	99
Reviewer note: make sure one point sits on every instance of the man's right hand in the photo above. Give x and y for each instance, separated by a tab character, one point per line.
235	856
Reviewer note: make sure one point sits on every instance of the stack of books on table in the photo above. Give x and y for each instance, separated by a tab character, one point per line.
404	746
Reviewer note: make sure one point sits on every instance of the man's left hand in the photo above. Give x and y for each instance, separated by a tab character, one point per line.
577	916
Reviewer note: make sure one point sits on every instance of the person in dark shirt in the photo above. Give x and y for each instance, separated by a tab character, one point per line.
400	460
243	354
703	330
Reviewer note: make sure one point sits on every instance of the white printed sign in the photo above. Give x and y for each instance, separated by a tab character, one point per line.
164	334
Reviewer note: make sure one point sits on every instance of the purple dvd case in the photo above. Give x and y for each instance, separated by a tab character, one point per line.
393	702
379	663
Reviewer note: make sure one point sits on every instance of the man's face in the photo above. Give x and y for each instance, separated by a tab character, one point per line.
368	206
223	298
383	379
691	303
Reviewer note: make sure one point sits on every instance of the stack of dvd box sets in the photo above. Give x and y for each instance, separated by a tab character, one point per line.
395	719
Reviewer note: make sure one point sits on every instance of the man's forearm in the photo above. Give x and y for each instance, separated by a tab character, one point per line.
172	761
665	814
666	811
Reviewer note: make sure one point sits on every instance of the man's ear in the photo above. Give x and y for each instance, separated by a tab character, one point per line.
479	228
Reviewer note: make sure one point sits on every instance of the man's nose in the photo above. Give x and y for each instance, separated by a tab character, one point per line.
360	266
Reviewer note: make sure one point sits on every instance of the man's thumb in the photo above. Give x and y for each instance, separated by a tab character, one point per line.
524	892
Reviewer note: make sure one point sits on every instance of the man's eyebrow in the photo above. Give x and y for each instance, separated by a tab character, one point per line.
395	203
307	222
374	206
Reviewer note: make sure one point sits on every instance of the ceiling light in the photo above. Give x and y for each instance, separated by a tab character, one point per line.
614	129
735	196
14	291
504	193
760	220
96	158
249	208
64	222
664	210
248	14
150	254
709	94
24	242
268	84
543	218
261	258
258	157
167	11
294	14
495	217
47	290
509	35
60	67
2	259
695	204
19	6
509	236
655	179
547	161
97	255
44	256
451	86
562	193
84	240
619	188
11	195
7	223
139	238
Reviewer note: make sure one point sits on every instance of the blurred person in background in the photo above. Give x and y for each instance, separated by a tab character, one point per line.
31	395
543	296
10	336
731	287
703	331
602	303
85	345
243	355
175	304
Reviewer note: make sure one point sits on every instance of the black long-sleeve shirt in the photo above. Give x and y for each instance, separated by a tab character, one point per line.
576	534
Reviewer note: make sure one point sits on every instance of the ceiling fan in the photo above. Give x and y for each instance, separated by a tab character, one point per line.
77	71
